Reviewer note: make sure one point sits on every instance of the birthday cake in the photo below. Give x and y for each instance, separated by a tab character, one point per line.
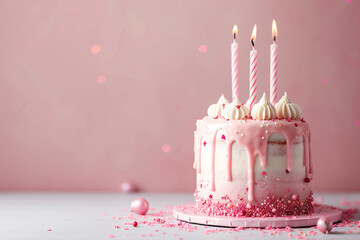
253	163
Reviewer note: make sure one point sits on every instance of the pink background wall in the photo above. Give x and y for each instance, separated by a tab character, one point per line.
79	117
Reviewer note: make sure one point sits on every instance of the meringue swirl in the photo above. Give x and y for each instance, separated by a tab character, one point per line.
287	110
263	110
236	111
216	110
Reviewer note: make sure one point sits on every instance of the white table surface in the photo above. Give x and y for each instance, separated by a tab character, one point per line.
91	216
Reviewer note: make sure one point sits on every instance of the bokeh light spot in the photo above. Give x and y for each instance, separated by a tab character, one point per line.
95	49
101	79
348	1
31	42
324	81
72	9
357	123
203	49
166	148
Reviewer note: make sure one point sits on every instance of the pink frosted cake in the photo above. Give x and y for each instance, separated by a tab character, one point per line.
253	163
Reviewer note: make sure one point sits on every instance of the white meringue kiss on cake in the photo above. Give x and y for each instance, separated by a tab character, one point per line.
216	110
236	110
263	110
287	110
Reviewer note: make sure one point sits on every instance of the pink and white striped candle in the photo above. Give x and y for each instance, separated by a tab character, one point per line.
234	65
273	65
253	69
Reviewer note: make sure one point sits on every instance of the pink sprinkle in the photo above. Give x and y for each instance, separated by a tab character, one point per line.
357	123
325	81
95	49
203	49
143	235
135	224
101	79
117	226
166	148
110	236
263	173
150	235
204	143
48	229
223	137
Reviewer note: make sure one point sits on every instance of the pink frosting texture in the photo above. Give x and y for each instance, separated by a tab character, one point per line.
253	168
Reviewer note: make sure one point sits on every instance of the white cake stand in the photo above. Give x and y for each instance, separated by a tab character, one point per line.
187	213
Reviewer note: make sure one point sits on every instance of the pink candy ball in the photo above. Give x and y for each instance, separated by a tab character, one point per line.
324	225
128	187
140	206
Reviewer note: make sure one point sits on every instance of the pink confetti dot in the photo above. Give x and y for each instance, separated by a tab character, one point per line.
49	229
319	199
203	49
345	202
356	123
166	148
95	49
110	236
101	79
324	81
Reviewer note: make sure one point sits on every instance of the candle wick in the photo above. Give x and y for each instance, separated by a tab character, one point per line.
234	36
274	39
252	42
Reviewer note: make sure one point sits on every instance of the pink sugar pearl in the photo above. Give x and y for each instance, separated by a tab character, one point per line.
128	187
324	225
140	206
